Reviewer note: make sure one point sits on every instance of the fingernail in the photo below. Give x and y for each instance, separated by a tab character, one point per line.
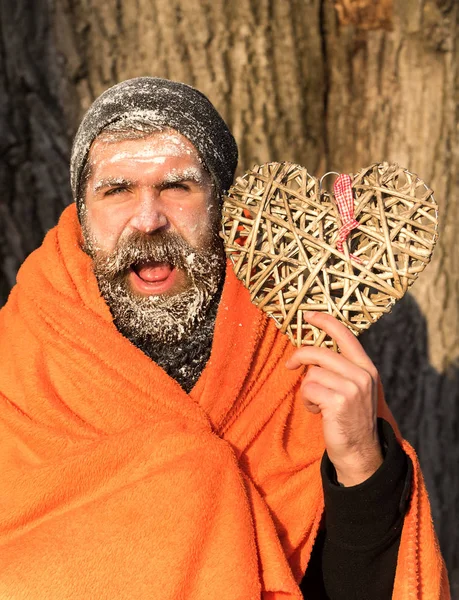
310	314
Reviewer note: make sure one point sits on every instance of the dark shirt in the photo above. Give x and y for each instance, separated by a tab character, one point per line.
355	554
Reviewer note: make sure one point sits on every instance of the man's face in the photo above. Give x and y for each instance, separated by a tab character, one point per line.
150	223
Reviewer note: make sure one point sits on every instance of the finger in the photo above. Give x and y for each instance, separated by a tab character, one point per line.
331	380
328	359
309	398
315	410
347	342
312	408
317	397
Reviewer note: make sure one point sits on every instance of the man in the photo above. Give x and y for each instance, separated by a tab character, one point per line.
160	437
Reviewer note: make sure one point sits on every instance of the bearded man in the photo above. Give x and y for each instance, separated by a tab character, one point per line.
160	437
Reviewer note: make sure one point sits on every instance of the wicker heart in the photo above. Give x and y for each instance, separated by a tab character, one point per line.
281	233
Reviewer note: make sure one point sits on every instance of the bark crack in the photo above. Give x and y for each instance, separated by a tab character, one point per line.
326	81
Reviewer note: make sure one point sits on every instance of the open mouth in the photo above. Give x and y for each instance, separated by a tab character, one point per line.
153	271
152	277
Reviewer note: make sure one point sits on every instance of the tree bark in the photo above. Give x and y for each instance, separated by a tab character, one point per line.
330	85
391	96
35	134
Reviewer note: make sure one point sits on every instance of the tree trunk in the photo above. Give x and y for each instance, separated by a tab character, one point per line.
391	97
35	138
330	85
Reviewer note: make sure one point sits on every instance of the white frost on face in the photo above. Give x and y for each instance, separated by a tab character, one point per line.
161	317
105	182
139	157
166	319
188	174
156	148
171	143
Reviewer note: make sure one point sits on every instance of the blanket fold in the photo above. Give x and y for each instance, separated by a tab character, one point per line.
118	484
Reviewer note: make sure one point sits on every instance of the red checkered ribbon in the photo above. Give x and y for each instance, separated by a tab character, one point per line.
345	201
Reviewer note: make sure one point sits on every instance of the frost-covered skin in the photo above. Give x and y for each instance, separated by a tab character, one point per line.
149	185
150	223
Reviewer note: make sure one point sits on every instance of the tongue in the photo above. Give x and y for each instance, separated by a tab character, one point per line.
154	271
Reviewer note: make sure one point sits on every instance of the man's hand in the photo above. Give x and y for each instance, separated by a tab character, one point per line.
343	387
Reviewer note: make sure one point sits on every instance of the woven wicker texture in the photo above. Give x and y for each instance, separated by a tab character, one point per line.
281	233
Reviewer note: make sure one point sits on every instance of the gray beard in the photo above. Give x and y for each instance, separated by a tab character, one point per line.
184	359
161	320
176	331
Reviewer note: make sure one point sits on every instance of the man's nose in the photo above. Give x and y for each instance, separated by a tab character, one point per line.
150	214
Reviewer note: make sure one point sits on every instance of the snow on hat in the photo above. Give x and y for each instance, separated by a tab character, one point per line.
168	104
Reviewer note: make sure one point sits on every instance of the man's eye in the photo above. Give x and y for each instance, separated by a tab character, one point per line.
114	191
176	186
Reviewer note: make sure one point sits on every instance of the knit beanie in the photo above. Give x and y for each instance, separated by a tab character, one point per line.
167	104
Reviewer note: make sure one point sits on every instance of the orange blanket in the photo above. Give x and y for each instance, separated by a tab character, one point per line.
117	484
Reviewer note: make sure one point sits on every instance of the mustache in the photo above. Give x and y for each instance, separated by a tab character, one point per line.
164	247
